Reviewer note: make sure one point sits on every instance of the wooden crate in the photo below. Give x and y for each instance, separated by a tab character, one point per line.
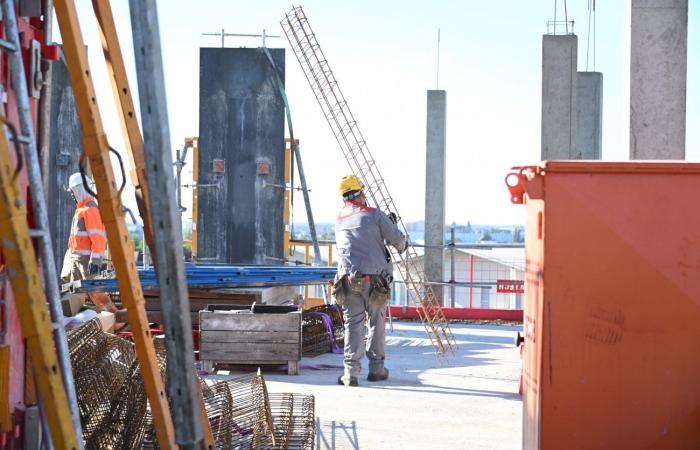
247	338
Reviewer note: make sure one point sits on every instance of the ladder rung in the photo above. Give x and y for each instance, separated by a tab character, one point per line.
7	46
37	233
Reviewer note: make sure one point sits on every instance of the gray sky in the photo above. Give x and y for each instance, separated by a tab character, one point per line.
384	57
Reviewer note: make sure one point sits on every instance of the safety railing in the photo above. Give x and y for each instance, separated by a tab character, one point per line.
306	246
477	276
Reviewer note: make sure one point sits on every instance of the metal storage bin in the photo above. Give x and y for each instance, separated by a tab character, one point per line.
612	311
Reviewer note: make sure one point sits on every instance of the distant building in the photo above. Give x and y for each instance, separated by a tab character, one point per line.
483	267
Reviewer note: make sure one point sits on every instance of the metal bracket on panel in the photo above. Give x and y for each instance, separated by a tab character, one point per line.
218	166
262	168
62	159
36	78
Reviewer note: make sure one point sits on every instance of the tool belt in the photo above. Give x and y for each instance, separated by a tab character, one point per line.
379	292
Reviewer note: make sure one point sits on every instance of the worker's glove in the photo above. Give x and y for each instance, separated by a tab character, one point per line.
94	266
393	217
93	269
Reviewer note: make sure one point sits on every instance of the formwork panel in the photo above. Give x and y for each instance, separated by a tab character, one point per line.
241	147
613	303
65	148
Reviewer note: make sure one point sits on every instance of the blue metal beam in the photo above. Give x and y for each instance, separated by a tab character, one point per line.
218	276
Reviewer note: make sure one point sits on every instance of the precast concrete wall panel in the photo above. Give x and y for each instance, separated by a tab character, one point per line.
241	147
65	148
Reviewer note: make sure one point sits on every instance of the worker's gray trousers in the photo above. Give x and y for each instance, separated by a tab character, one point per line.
355	311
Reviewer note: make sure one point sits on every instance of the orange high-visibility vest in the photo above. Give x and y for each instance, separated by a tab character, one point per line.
87	236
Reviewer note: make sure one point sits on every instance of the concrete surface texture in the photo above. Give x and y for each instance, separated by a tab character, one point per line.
658	76
559	53
589	115
65	148
241	145
435	160
471	404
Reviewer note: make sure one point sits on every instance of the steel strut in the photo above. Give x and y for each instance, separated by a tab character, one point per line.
96	149
22	270
183	385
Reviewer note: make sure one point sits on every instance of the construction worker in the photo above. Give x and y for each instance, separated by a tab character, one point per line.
87	242
363	280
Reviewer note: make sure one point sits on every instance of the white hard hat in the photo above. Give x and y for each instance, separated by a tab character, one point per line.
77	180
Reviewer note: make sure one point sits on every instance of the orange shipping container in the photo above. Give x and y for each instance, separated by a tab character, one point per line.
612	312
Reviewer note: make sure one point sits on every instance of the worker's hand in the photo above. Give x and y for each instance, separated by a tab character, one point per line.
393	217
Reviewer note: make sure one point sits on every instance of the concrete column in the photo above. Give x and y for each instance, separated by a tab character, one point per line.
658	74
435	188
559	54
589	115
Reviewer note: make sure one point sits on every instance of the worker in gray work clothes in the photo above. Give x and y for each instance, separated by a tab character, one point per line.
362	284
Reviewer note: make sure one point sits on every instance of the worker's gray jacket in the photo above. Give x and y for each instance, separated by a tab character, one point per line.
361	233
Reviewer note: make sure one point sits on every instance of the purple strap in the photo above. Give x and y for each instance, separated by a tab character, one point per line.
241	431
328	325
320	366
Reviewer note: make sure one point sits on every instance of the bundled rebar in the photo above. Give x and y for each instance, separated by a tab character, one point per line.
314	338
238	411
294	421
323	330
126	424
114	407
111	397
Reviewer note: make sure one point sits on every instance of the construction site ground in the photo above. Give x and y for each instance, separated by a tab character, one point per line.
472	403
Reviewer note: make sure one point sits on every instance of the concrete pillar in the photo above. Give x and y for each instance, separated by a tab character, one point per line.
589	115
658	74
559	75
435	188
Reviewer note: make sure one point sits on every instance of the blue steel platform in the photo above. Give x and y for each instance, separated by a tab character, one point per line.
219	276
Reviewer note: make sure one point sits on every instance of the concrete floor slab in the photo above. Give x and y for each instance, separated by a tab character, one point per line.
472	404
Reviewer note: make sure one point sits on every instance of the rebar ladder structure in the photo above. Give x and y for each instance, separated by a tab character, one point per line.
354	147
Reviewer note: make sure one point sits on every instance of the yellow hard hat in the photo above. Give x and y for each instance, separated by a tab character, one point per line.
349	183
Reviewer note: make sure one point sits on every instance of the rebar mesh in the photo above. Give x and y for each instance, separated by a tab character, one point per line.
336	315
102	363
314	338
126	424
320	334
238	411
114	407
294	420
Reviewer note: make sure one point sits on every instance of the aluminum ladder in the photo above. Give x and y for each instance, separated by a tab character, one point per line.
45	372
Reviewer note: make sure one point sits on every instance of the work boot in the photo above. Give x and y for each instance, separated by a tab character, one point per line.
347	380
379	376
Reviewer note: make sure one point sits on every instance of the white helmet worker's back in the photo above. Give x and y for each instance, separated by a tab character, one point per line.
75	185
77	180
